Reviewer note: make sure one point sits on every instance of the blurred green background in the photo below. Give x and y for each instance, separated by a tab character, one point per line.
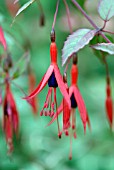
38	146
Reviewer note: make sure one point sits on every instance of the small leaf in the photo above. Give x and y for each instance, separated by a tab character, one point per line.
106	9
97	53
106	47
76	41
23	8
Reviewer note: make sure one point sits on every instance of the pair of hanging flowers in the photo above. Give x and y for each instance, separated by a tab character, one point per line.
69	116
71	96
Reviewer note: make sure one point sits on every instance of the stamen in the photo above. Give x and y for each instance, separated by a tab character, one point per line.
70	154
66	133
55	100
74	135
46	104
73	122
50	102
73	119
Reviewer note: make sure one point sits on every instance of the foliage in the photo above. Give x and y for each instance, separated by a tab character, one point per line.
37	147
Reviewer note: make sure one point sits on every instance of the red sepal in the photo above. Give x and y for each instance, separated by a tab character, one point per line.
61	85
42	84
80	102
2	39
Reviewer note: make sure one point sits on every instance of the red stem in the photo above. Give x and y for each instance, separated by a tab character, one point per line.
55	15
108	31
68	15
70	27
85	14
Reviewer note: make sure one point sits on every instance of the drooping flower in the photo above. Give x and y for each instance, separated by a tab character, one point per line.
69	116
10	117
54	80
2	39
33	101
76	98
109	104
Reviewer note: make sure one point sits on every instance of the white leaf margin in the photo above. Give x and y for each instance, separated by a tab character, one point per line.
105	47
24	7
91	34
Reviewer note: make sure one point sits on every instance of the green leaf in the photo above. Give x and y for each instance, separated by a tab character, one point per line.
75	42
23	8
106	9
106	47
82	2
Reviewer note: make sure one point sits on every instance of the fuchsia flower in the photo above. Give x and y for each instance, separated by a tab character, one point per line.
54	80
69	116
10	117
2	39
76	98
76	101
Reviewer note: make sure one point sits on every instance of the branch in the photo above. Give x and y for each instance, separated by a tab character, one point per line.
68	15
89	19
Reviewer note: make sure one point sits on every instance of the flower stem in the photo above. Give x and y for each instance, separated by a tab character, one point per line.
107	70
40	7
70	154
68	15
84	13
55	15
104	25
55	100
70	28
